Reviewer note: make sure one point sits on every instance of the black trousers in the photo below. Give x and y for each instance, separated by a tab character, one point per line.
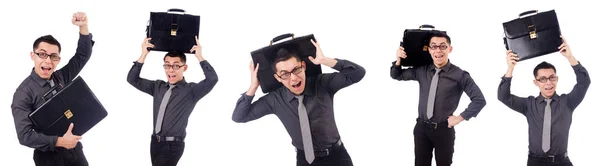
537	161
61	157
166	153
430	136
338	156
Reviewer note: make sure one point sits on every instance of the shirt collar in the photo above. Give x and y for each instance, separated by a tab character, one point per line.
444	68
541	98
36	78
308	90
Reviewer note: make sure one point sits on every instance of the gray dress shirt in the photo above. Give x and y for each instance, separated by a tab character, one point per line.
533	108
318	100
183	97
453	81
28	96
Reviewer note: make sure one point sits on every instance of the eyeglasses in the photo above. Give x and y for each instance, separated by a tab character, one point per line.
441	47
43	55
175	67
544	79
287	75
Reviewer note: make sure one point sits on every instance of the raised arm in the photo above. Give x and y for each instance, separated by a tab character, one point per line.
83	52
578	92
210	75
133	77
349	72
396	71
245	110
504	95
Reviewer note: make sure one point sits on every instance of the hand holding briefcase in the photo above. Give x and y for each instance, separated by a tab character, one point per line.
416	43
173	32
533	36
265	56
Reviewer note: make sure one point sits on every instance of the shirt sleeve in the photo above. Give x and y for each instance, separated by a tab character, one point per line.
81	57
513	102
397	73
141	84
578	92
474	93
205	86
246	110
21	107
349	73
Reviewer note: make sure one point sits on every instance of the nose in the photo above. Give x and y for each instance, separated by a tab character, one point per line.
293	77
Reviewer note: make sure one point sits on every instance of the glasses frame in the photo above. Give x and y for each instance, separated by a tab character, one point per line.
297	70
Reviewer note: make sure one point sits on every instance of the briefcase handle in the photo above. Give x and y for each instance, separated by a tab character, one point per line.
426	26
176	10
280	37
528	12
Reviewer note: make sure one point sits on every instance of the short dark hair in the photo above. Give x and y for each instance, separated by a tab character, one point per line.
543	65
46	39
175	54
437	33
284	54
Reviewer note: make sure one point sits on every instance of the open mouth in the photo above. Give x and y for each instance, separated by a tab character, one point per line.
170	76
439	56
46	69
296	85
548	88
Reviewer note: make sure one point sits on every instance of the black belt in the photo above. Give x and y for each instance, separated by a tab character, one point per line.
159	138
430	123
548	158
326	152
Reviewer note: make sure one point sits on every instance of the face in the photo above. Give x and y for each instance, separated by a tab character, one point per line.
291	74
439	48
546	80
174	69
45	58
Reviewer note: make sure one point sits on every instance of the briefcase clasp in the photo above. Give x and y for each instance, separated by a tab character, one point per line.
424	48
68	114
532	34
173	32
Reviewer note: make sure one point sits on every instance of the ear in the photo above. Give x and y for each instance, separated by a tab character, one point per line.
32	55
450	49
303	64
277	77
185	67
535	82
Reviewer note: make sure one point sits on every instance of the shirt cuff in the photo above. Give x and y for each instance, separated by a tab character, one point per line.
577	66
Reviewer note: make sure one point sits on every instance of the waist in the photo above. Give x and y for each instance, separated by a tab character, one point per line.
161	138
548	158
325	152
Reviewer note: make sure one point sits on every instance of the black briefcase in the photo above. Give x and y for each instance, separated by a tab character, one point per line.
75	103
534	35
415	43
172	31
266	55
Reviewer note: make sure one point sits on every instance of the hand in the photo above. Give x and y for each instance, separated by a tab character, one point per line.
145	45
511	59
68	140
79	19
564	48
319	58
197	48
454	120
400	53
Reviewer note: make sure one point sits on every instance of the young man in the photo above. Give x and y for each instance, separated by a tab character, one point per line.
549	115
174	101
304	105
441	86
51	150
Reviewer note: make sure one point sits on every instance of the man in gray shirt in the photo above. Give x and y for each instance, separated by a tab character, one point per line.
549	115
51	150
441	85
304	105
174	101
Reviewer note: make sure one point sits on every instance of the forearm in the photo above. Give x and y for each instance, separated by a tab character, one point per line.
29	137
352	71
572	60
509	72
142	58
84	30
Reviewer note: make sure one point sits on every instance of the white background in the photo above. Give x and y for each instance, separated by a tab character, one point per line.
375	117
